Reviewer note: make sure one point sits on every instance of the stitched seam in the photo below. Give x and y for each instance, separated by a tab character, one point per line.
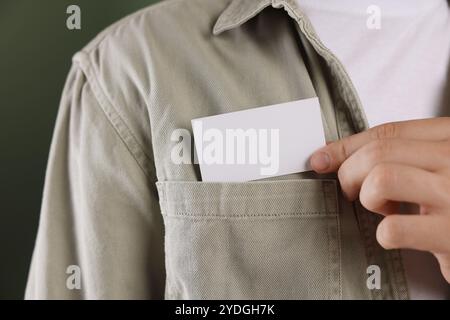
356	113
262	215
338	225
401	289
330	257
370	247
333	193
284	197
115	119
256	182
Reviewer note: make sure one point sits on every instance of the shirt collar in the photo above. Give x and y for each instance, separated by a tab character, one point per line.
240	11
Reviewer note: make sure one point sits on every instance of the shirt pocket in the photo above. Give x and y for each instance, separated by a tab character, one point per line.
275	239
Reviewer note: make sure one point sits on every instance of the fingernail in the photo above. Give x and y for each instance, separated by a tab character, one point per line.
320	161
381	235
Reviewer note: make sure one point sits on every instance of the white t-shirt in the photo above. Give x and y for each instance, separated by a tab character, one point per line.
397	54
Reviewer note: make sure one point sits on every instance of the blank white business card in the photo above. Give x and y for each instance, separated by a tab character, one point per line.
258	143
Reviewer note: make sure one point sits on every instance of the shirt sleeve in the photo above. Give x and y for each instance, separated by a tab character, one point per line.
100	232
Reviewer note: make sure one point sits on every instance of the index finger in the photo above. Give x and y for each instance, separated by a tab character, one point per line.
330	157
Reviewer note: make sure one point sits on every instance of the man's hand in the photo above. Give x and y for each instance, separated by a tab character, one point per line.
396	163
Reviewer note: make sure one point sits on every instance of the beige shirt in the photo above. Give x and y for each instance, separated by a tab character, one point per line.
137	225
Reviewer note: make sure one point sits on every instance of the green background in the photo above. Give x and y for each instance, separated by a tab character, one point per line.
35	57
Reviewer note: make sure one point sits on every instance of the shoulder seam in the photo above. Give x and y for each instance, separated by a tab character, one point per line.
115	119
